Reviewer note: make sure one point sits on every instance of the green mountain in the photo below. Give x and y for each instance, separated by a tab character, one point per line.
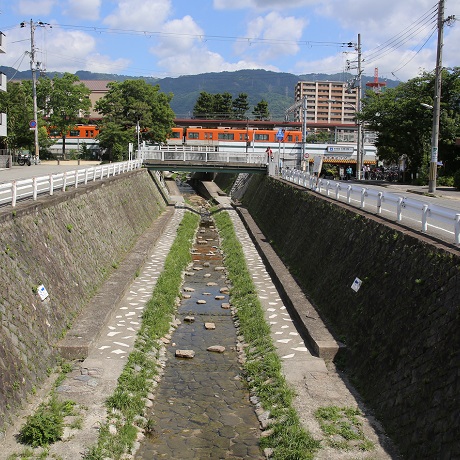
277	88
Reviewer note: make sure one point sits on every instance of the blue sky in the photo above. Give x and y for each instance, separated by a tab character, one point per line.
162	38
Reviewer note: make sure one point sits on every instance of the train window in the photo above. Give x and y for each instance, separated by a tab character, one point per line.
54	132
175	135
74	133
261	137
193	135
227	136
289	138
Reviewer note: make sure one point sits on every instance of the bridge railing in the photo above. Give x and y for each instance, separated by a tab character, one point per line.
400	206
12	192
200	153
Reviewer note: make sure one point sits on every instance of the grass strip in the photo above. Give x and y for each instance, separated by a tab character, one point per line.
288	439
127	404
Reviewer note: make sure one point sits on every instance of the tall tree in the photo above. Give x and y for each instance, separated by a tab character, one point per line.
65	102
18	105
240	106
130	104
223	106
204	106
404	124
260	111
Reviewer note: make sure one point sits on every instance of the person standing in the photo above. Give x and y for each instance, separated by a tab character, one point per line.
349	172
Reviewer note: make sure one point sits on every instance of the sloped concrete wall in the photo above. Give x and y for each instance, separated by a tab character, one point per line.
401	328
69	243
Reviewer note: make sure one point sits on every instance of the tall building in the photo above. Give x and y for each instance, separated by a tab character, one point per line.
328	102
3	119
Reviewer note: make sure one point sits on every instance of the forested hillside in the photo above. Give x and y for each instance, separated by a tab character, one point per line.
274	87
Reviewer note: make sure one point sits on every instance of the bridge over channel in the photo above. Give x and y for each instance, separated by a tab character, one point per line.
203	159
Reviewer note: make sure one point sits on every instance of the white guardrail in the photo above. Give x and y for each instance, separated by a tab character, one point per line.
201	153
12	192
429	214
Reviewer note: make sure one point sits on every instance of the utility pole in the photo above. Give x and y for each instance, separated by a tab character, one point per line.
359	147
33	68
437	102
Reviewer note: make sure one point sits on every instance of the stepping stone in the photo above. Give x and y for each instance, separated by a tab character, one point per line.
207	275
224	290
209	326
219	269
189	289
206	264
216	348
219	297
189	319
186	296
201	302
188	354
225	306
198	268
211	283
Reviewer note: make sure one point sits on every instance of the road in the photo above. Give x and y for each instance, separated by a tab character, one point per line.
42	169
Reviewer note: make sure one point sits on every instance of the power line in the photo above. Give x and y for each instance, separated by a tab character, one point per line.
392	44
251	40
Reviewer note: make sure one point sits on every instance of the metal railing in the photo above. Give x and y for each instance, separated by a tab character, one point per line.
200	153
16	190
399	206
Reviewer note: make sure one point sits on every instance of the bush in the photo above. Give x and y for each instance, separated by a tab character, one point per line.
457	180
447	181
42	428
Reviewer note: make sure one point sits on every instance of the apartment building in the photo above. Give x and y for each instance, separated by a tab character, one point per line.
328	102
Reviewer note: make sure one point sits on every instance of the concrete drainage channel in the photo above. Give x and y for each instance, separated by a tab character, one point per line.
202	407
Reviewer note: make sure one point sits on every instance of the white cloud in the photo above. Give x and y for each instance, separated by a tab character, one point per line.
32	7
275	34
139	14
262	4
83	9
182	51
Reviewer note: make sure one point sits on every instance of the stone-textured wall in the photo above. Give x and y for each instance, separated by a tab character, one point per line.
70	243
401	328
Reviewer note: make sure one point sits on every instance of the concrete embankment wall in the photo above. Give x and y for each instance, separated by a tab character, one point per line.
70	243
401	328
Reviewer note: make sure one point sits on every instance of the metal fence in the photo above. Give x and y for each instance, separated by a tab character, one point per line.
18	190
200	153
399	206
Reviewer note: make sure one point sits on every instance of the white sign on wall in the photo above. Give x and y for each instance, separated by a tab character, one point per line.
356	284
42	292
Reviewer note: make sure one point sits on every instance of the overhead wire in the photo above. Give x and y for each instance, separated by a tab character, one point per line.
417	27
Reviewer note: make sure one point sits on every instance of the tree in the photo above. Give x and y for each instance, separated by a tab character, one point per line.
260	111
204	106
64	102
223	106
240	106
404	125
127	105
18	105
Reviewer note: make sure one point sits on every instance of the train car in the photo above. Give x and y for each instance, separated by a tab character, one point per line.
76	137
77	132
197	135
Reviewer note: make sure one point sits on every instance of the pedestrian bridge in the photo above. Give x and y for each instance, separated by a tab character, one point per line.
202	159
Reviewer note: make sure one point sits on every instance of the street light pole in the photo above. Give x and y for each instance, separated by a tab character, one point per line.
437	102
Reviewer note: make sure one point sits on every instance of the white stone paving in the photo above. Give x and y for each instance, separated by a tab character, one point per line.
118	338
